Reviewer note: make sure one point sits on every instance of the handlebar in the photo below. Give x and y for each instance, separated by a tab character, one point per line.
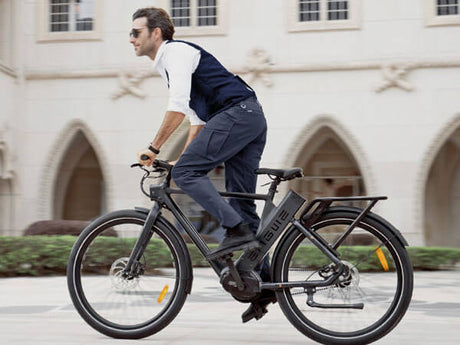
158	166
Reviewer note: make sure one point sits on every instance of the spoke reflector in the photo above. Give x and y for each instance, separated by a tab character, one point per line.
383	260
162	294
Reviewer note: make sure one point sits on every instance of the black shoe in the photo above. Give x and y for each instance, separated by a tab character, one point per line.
236	238
258	307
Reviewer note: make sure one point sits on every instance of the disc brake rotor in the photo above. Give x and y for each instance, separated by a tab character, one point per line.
119	281
350	276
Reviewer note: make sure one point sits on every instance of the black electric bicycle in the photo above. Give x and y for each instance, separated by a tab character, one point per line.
341	274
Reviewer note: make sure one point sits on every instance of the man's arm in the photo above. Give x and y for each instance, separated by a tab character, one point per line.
171	121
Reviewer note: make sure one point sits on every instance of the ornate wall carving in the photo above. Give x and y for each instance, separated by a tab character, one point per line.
129	84
259	67
393	76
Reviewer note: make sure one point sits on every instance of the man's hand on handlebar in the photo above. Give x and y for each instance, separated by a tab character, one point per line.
146	157
157	165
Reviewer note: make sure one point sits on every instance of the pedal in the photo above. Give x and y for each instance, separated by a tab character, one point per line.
255	311
225	251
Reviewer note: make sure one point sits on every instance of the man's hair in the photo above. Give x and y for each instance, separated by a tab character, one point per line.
157	18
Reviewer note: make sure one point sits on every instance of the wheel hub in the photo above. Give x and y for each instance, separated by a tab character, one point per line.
349	276
120	280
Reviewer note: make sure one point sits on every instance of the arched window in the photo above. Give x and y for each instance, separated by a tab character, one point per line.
79	187
329	167
442	196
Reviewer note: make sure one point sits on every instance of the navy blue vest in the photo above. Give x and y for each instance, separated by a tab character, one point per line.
214	89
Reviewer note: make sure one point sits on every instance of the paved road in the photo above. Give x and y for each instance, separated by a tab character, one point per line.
38	311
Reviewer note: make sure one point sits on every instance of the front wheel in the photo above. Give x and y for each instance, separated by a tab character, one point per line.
377	277
120	305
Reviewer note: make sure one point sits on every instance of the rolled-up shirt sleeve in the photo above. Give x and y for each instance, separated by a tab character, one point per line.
180	61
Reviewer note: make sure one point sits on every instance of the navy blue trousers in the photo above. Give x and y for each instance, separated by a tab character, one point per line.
235	137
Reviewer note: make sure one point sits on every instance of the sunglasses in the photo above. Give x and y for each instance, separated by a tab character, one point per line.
136	32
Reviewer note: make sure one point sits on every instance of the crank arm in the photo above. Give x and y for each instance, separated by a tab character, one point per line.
236	276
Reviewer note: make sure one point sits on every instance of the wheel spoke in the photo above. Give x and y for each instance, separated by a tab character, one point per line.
368	295
118	302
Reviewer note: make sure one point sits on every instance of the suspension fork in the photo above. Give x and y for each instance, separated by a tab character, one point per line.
130	271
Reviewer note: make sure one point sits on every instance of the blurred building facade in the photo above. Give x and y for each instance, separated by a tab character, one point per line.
364	95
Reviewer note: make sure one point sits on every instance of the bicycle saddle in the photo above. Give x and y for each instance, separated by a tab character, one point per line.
284	174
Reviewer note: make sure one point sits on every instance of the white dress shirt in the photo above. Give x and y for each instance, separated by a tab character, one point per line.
178	61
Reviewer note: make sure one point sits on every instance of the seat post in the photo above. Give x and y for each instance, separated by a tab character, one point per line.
273	188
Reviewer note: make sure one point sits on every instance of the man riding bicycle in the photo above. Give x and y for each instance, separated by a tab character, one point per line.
227	126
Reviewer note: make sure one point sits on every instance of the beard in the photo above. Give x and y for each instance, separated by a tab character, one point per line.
145	49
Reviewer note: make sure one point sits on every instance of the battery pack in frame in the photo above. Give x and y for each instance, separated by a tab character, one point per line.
272	228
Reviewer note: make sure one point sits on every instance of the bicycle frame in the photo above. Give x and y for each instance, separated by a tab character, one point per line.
162	195
274	220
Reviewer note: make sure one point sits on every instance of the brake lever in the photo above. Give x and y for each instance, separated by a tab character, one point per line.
142	167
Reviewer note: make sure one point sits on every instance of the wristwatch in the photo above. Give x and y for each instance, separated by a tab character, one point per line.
154	150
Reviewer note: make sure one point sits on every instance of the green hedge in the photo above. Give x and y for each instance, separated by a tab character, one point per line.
433	258
48	255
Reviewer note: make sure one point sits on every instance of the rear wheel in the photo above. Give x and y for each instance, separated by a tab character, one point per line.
378	275
114	303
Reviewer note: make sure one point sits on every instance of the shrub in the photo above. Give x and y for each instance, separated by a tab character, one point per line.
48	255
60	227
433	258
56	227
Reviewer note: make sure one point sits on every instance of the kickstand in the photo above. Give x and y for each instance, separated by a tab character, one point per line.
313	304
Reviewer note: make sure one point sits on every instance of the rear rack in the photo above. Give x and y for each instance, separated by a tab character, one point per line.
318	206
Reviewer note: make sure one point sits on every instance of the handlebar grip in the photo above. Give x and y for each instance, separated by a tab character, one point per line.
155	164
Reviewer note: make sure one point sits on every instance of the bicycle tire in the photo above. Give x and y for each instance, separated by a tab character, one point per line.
386	287
128	308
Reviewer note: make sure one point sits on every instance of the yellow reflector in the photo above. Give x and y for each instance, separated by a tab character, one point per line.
383	260
162	294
